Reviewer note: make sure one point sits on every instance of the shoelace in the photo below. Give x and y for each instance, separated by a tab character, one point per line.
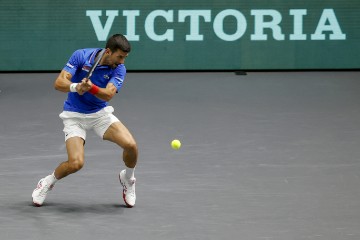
129	188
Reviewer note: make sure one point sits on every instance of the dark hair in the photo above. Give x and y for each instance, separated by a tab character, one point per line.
118	41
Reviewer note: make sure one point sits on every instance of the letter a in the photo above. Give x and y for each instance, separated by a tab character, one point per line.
328	15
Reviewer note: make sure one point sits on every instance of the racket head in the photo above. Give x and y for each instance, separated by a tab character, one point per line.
97	61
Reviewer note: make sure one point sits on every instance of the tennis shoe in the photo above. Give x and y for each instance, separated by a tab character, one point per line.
40	192
129	195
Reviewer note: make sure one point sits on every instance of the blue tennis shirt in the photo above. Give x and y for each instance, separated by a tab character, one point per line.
78	66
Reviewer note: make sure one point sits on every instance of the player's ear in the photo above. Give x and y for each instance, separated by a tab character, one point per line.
108	51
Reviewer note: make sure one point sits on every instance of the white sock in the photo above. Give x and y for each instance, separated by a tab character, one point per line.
51	179
129	172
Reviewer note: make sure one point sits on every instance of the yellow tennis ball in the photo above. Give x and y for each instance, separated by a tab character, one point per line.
175	144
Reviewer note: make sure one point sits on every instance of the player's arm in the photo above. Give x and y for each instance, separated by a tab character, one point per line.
63	83
111	88
105	94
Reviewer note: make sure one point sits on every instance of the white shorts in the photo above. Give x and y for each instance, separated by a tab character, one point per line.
76	124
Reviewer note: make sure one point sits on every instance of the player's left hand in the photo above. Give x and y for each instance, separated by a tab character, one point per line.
85	85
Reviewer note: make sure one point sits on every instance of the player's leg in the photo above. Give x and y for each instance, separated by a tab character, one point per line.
74	138
75	135
75	150
119	134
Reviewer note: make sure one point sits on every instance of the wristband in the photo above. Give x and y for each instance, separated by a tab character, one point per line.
94	89
73	87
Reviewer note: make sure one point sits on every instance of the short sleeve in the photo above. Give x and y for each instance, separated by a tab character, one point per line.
119	76
75	62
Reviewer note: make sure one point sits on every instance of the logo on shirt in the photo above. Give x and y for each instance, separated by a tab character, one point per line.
106	76
86	68
119	79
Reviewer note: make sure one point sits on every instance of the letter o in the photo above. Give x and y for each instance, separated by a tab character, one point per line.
219	25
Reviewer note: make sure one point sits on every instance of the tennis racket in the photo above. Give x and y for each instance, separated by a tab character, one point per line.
97	60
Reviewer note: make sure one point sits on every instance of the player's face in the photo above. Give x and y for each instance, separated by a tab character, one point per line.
116	58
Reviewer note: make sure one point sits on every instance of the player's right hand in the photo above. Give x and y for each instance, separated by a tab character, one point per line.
83	86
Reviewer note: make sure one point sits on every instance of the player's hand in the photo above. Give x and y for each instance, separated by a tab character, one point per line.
84	86
79	89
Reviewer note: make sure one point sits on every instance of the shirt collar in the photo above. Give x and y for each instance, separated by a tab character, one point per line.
92	56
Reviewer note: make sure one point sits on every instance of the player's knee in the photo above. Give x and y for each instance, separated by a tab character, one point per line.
76	164
131	146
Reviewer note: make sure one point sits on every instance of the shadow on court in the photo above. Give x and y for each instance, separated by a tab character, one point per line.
69	209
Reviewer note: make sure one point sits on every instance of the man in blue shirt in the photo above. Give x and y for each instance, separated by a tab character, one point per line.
86	107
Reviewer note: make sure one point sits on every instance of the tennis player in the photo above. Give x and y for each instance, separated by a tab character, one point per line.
87	108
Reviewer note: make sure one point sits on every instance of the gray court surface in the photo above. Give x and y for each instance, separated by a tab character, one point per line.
269	155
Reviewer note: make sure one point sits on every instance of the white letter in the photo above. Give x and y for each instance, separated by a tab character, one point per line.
150	28
130	24
260	24
219	25
194	22
334	27
298	24
102	33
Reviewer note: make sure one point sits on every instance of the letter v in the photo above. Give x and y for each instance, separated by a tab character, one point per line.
102	32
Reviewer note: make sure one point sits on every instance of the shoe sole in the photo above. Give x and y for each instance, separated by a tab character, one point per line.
37	204
128	205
